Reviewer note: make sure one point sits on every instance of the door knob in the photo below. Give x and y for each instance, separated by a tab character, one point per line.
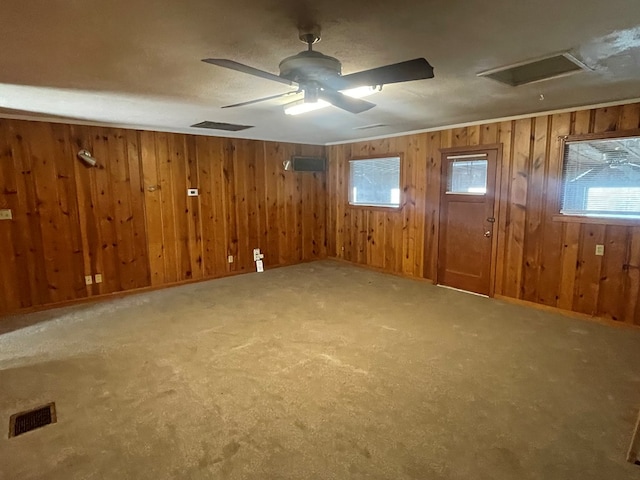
487	233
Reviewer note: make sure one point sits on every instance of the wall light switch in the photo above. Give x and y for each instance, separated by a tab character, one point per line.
5	214
230	259
98	277
88	280
192	192
599	250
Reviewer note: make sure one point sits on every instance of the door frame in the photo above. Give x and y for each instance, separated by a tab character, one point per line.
497	201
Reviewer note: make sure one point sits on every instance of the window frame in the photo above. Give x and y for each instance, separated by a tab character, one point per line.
598	220
382	208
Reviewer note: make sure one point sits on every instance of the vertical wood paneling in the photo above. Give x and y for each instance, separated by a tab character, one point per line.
194	221
132	222
12	257
588	270
569	263
505	137
537	259
550	271
516	213
537	176
131	219
612	275
632	280
153	206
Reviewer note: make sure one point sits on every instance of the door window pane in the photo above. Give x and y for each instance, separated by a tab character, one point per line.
467	176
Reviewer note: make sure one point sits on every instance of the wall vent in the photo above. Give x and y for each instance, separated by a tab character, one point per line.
305	164
24	422
538	70
229	127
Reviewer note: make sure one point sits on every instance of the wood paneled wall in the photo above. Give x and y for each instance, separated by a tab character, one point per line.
132	221
538	259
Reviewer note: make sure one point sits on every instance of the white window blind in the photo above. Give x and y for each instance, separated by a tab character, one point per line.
602	178
467	175
375	182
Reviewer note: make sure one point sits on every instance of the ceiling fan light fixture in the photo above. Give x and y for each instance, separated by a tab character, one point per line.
361	92
304	105
300	106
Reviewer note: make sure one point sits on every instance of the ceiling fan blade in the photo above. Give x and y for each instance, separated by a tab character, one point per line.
350	104
263	99
240	67
416	69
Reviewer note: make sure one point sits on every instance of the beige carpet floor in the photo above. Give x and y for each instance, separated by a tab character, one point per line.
317	371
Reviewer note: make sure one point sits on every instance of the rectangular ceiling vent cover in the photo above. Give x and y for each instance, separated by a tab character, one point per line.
24	422
229	127
539	70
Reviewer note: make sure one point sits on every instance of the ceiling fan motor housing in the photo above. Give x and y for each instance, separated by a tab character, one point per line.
310	66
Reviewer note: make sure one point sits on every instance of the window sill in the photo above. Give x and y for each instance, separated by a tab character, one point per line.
628	222
375	208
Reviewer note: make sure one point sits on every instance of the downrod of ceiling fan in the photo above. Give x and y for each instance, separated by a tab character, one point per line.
309	35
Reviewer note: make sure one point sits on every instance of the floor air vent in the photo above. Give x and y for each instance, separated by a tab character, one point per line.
229	127
30	420
537	70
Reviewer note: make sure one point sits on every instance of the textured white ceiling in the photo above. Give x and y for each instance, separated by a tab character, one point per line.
137	63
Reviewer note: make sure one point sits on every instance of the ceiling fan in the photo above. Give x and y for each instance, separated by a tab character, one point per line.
319	77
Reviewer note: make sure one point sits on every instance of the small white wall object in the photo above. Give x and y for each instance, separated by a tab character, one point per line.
257	257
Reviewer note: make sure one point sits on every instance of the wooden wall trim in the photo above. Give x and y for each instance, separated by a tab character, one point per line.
631	222
634	132
470	149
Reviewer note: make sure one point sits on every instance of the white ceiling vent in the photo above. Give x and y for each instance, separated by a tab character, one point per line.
532	71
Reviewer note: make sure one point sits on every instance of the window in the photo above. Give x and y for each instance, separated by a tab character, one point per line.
602	178
375	182
467	175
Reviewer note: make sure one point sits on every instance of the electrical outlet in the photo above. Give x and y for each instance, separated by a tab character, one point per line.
88	280
5	214
192	192
230	259
599	250
98	277
256	254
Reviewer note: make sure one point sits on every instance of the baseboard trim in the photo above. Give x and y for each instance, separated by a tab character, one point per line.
515	301
567	313
133	291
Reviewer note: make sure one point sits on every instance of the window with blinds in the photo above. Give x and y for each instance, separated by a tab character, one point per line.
467	174
602	178
375	182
